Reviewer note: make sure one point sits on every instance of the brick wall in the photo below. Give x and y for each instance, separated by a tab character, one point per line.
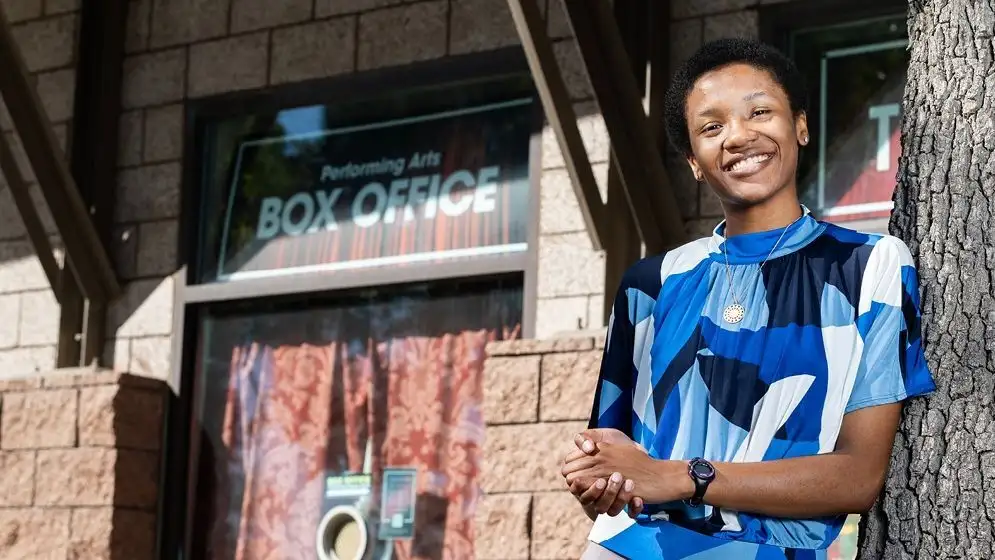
537	395
79	453
29	312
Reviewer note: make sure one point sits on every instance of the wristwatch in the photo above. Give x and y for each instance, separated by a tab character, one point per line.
702	473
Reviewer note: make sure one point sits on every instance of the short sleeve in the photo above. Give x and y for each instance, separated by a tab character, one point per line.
613	397
893	366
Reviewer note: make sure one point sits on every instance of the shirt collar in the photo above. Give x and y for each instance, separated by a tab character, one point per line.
754	247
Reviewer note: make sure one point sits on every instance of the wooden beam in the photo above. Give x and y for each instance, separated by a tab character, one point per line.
634	147
559	111
93	163
86	255
21	194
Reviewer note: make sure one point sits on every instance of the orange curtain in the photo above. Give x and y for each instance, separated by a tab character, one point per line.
295	412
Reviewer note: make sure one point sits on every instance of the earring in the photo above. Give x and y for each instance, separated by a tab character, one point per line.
805	140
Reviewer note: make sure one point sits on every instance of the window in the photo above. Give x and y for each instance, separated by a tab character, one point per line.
351	256
856	74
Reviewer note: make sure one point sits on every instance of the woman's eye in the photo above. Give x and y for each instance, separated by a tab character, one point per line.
759	112
710	128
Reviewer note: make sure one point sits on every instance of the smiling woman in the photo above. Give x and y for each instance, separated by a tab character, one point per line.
770	357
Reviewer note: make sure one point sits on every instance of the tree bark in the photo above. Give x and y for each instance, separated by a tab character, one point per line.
939	498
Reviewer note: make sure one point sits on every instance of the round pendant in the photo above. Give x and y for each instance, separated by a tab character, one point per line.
734	313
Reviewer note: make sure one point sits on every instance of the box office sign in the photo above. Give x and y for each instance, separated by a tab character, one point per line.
860	129
423	189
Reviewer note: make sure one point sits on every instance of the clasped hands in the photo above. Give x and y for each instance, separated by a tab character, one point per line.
608	471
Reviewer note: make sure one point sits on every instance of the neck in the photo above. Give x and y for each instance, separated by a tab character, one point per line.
776	213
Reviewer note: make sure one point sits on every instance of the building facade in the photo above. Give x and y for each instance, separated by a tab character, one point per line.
327	215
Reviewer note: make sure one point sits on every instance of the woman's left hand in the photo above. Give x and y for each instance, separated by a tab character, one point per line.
655	481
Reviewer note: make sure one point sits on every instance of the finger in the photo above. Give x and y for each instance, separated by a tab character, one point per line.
623	498
604	503
585	444
578	465
635	507
593	492
574	455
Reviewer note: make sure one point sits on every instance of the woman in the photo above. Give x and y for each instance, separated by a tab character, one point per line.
752	381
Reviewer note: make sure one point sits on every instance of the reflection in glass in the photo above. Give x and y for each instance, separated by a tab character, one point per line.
310	414
857	75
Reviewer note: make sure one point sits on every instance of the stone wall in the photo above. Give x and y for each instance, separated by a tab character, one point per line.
79	453
46	33
537	395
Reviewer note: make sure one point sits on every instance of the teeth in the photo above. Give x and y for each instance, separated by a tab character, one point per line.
750	161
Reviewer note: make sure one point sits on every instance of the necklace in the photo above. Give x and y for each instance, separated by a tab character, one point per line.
735	311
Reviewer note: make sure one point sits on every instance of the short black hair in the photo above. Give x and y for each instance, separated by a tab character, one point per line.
717	54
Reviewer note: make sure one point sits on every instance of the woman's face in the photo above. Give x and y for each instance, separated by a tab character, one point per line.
744	137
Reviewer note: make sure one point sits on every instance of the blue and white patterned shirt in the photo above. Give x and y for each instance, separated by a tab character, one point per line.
832	325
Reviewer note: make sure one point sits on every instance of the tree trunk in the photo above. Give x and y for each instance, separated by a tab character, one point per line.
939	499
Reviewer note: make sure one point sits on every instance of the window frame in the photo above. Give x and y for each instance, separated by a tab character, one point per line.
180	462
777	23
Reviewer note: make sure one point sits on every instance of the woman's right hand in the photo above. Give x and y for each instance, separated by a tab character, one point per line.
608	496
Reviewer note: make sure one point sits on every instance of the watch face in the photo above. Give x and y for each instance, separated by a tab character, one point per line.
703	470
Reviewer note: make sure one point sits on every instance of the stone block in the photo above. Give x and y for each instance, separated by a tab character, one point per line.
680	9
47	43
102	532
157	242
325	8
572	68
528	457
148	193
163	133
593	133
401	35
40	314
56	90
117	354
61	6
502	527
124	248
39	419
95	476
596	313
294	50
154	79
130	132
17	483
20	362
176	22
252	15
227	65
511	389
559	527
35	533
480	25
529	346
737	24
568	266
568	384
120	417
685	39
93	377
21	270
17	11
151	357
138	29
559	208
559	315
145	309
10	310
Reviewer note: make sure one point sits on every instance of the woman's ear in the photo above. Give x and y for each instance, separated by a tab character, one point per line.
696	169
801	126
